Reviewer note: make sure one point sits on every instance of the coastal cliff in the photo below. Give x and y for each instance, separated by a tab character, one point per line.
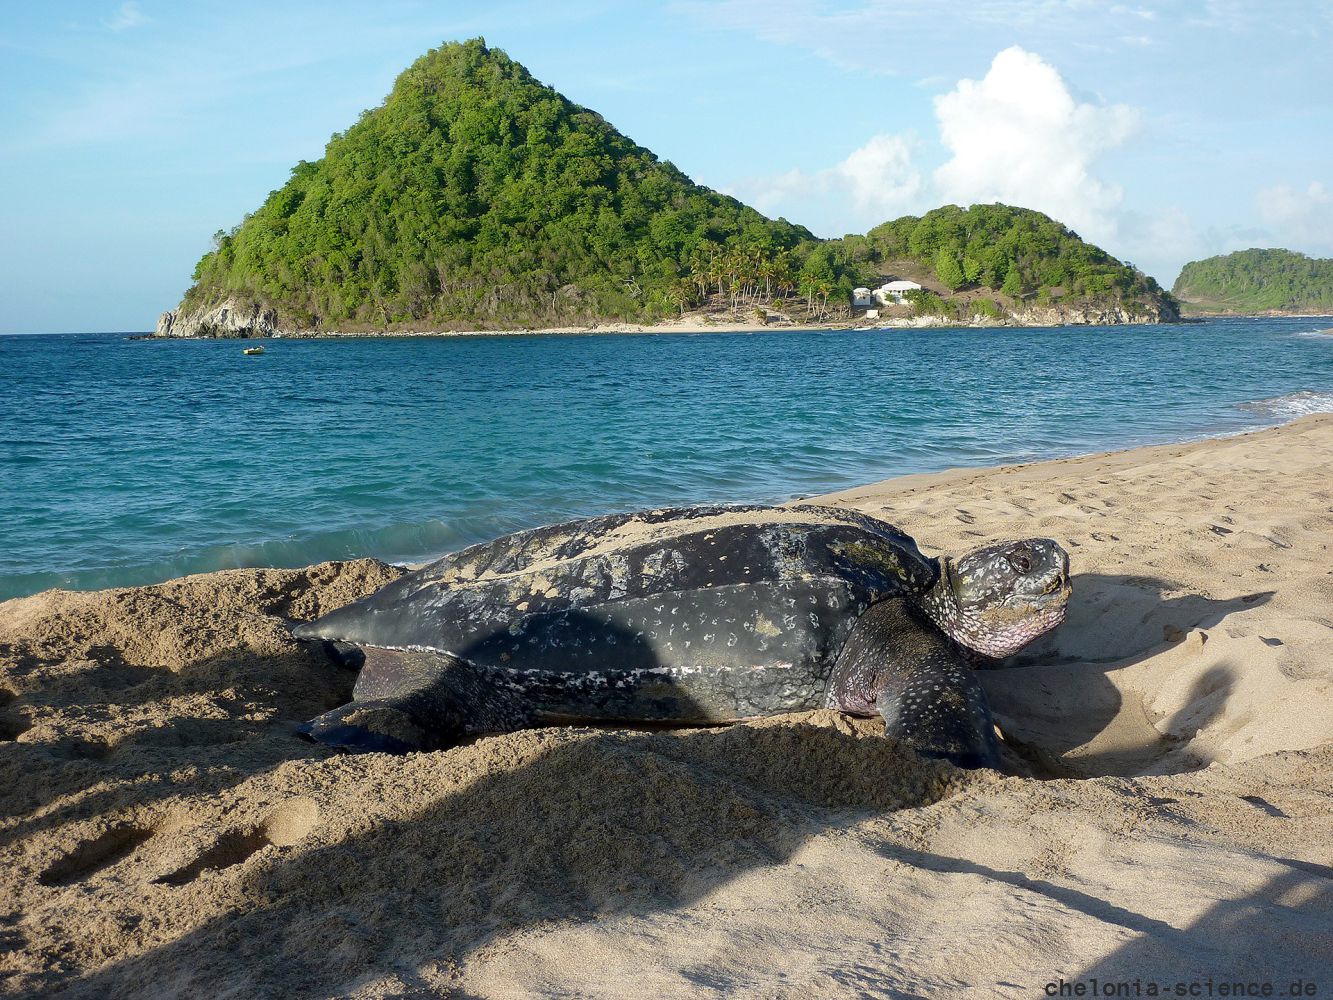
232	319
227	318
1090	315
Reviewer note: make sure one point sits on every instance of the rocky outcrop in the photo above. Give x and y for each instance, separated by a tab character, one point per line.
1092	315
1086	315
227	318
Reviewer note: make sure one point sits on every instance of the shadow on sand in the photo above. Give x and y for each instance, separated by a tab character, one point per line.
601	823
132	728
652	823
1248	940
1058	695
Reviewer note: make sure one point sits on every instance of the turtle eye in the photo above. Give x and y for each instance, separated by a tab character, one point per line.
1021	562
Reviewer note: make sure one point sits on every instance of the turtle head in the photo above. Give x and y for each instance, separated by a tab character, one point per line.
997	599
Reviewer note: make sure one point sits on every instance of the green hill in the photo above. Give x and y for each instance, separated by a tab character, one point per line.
1020	253
475	196
1250	281
476	193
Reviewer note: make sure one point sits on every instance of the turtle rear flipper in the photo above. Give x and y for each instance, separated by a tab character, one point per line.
408	700
400	705
369	726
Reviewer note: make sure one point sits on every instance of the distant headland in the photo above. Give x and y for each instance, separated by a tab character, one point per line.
476	198
1249	282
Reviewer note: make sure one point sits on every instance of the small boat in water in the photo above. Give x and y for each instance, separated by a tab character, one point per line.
253	350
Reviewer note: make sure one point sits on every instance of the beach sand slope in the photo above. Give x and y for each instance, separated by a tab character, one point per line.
1166	817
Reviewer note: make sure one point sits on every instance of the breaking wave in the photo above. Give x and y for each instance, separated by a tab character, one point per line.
1293	404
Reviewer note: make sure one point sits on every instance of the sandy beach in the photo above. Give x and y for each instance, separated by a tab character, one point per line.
1165	816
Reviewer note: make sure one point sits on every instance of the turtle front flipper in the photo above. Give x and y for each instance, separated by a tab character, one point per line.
407	700
940	710
897	663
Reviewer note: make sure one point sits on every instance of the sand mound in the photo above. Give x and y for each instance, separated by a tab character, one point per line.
163	833
198	661
179	623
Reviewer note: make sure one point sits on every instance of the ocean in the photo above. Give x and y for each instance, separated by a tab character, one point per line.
131	461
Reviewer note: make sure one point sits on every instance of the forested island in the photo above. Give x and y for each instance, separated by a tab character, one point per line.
1257	281
476	198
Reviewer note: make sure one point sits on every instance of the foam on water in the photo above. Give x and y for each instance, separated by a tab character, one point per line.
1293	404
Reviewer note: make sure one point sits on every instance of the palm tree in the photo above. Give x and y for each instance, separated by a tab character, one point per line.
766	271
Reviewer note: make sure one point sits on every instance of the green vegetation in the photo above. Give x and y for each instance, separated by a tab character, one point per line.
814	276
1022	254
988	308
1256	281
948	269
477	196
926	303
475	193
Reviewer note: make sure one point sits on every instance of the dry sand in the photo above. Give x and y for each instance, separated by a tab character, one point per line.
1168	816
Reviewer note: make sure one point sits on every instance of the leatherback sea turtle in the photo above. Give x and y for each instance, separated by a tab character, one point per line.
691	615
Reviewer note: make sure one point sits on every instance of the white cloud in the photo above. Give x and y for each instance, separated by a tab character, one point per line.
1161	241
1143	13
1162	237
769	194
128	15
880	175
1299	218
875	182
1019	136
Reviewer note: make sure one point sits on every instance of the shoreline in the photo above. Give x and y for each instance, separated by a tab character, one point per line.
703	326
1113	459
165	831
693	325
1110	459
255	324
670	327
1204	314
424	558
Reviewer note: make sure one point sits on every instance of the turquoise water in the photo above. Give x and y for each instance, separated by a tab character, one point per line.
126	462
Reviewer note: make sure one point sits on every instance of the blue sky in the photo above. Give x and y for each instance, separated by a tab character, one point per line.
131	131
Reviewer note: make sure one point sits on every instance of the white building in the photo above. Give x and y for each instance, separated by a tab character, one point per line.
861	298
893	292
